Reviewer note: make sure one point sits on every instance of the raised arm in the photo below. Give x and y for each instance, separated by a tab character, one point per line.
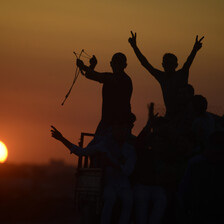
141	57
143	136
196	48
88	71
74	148
57	135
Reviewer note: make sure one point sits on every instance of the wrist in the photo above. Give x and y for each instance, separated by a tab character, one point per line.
195	49
92	67
83	68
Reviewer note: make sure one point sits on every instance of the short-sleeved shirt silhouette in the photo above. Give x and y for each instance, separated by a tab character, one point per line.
116	93
170	84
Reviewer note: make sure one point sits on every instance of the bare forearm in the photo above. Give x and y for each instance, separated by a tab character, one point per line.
145	63
140	56
196	48
66	142
190	58
91	74
78	150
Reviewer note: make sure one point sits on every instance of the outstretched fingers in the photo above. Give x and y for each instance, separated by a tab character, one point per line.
133	35
201	39
53	128
132	39
54	131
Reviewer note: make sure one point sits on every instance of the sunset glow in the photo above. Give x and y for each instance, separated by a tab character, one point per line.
37	64
3	152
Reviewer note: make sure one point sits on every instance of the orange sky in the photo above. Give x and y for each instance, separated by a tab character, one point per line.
37	64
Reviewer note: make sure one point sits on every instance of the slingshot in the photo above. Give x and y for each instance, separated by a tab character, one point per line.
77	71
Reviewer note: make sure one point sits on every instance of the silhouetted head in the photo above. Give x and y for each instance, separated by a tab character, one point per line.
118	62
200	104
169	62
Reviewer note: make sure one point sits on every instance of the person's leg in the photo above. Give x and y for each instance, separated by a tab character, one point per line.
159	201
126	196
109	197
141	203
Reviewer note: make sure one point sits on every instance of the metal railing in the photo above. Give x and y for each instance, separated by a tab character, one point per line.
86	159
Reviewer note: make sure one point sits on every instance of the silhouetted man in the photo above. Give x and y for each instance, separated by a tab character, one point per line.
116	93
203	124
170	80
119	160
150	199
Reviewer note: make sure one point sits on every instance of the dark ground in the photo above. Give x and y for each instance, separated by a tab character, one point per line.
37	193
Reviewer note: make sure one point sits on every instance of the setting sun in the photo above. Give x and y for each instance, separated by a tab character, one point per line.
3	152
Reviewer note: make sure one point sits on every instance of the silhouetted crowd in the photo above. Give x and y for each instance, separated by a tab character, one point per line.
172	172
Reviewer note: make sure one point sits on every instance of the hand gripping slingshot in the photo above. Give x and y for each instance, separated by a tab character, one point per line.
77	71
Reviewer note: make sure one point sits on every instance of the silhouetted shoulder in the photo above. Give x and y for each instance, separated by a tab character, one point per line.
159	75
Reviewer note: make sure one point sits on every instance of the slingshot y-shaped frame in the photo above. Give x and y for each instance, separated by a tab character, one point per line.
77	71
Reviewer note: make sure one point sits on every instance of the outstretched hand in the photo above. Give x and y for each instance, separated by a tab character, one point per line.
55	133
132	39
93	62
198	43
